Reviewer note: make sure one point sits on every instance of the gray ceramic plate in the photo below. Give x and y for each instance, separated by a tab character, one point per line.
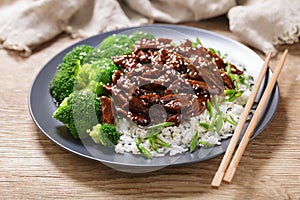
41	104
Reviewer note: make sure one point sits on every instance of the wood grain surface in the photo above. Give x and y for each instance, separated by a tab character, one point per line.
33	167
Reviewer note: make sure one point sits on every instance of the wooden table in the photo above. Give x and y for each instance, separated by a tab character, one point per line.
32	166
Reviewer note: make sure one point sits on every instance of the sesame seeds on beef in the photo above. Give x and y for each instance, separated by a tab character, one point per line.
180	79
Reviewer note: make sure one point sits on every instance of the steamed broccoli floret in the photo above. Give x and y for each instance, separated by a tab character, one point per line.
115	51
98	54
104	64
106	134
89	78
94	56
64	111
138	35
92	77
116	40
78	53
63	82
80	112
115	45
62	85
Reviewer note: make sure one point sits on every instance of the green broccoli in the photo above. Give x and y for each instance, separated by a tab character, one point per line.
80	79
62	84
78	53
80	112
116	40
106	134
64	112
138	35
98	54
92	77
115	45
104	64
115	51
94	56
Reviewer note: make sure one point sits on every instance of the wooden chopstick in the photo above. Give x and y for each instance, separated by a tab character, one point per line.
239	128
245	140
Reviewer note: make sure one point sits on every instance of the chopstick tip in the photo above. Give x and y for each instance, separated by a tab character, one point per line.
229	174
216	182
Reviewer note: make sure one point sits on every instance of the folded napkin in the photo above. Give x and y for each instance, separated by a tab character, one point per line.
25	25
263	24
102	15
176	11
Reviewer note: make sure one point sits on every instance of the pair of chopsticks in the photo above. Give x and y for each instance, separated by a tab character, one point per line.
224	173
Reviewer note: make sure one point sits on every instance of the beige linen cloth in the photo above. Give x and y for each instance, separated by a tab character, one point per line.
25	25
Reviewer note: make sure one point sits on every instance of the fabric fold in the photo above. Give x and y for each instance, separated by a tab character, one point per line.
265	24
176	11
35	22
97	16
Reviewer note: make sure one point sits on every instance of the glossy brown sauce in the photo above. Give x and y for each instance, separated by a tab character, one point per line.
161	82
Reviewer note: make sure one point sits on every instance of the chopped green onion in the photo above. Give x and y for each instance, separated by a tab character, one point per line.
153	144
216	104
161	125
219	124
229	92
145	152
236	95
209	108
225	56
194	142
212	50
218	53
213	123
162	143
231	120
196	43
228	68
156	129
204	125
245	80
153	133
